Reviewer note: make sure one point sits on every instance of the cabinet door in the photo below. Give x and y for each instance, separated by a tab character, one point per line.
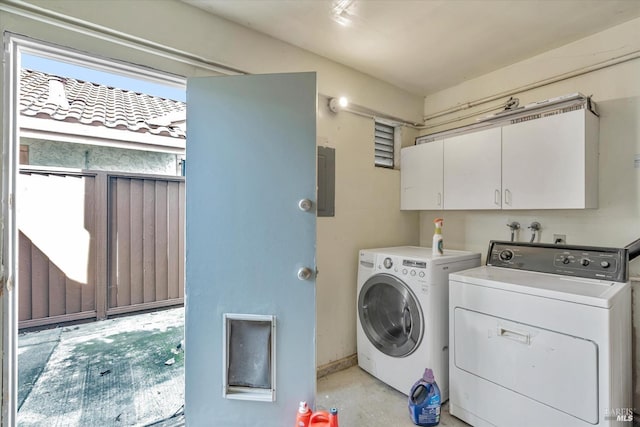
549	163
472	177
421	176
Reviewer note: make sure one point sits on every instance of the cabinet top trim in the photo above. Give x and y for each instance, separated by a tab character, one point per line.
533	111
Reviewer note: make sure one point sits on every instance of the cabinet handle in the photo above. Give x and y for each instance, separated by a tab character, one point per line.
439	199
507	196
496	197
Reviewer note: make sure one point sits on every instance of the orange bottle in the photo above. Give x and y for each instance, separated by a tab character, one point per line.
303	417
324	418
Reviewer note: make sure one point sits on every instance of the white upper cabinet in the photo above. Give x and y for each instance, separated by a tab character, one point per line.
421	176
472	178
551	162
548	162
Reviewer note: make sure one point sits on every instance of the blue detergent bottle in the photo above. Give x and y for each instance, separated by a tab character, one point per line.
425	401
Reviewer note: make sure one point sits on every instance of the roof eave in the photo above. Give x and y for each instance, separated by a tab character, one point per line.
33	127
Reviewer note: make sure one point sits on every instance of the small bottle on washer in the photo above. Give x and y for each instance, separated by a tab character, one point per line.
437	246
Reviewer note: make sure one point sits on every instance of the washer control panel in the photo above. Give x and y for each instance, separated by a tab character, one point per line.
569	260
402	266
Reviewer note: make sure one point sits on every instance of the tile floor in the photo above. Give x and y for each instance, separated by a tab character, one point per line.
364	401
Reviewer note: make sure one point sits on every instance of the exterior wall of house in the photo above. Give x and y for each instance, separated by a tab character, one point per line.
81	156
367	198
616	90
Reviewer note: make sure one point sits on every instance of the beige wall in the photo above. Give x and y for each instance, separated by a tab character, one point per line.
617	92
367	215
367	203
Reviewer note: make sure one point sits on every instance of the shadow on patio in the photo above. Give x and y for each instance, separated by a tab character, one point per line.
122	372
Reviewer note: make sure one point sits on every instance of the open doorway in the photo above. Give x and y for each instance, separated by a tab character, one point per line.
99	212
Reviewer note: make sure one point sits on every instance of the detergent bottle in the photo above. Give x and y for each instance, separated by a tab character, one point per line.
437	246
324	418
303	416
425	400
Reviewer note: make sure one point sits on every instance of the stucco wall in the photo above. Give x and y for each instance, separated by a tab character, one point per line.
82	156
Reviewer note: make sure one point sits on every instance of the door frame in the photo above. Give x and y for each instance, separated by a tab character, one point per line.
14	46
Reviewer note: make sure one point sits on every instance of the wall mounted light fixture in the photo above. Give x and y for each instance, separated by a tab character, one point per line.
337	104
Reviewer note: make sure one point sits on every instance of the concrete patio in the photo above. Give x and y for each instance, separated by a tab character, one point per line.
123	371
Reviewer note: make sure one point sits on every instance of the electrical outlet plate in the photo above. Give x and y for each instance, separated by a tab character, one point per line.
560	239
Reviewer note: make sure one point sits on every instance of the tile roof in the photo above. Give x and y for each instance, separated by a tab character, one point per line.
65	99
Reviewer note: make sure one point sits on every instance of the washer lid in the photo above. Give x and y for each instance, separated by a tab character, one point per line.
598	293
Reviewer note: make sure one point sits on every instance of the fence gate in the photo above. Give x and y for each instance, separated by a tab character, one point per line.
93	244
146	243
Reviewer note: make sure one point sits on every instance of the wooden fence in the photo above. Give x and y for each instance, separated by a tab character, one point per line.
94	244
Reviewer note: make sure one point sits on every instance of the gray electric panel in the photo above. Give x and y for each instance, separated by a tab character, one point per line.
326	181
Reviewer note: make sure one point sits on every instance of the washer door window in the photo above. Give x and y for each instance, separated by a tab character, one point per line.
390	315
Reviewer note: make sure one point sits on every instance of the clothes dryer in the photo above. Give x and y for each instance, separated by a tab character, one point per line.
541	336
402	322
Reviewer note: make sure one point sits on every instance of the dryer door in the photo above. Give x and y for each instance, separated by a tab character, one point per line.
390	315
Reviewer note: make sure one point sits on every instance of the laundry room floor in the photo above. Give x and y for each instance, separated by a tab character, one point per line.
363	400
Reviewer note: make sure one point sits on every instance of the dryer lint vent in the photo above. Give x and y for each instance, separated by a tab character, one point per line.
249	357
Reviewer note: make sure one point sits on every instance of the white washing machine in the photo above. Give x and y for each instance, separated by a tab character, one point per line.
540	336
403	310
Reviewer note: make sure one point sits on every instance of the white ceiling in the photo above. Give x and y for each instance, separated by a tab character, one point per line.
424	46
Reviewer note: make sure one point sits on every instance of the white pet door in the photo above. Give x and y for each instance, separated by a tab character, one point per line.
249	359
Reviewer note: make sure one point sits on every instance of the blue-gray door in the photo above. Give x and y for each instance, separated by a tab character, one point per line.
251	158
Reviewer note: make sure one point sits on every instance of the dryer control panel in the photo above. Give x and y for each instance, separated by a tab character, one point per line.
569	260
